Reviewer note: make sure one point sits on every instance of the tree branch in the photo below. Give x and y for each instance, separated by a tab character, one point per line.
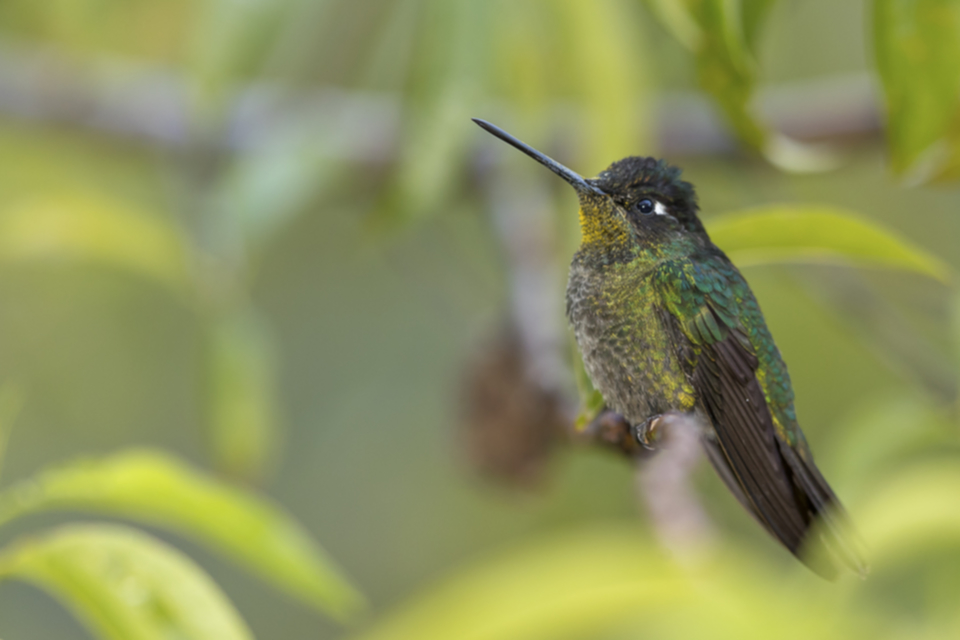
151	103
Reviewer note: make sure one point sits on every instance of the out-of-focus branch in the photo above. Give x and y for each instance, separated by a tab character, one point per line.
524	221
663	477
520	398
152	103
663	481
829	107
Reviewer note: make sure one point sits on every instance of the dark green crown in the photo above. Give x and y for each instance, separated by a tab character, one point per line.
636	177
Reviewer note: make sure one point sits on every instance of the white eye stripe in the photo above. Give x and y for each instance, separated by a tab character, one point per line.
659	209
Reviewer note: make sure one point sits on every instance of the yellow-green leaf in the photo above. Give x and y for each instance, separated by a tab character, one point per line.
586	585
873	441
575	585
723	35
679	21
599	57
917	52
591	400
125	585
913	509
156	489
753	13
955	326
725	66
946	156
818	234
229	39
95	230
450	77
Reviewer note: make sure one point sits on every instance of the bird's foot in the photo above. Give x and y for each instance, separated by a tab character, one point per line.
613	430
650	432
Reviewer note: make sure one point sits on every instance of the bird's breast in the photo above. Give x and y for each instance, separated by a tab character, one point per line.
628	352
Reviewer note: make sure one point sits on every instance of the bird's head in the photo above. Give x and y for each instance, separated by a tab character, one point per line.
636	203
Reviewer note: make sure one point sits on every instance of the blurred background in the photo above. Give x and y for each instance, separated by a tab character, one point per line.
264	236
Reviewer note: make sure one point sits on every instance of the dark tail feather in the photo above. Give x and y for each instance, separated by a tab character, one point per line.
782	490
835	530
821	566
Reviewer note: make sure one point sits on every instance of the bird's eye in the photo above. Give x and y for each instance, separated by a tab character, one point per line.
645	206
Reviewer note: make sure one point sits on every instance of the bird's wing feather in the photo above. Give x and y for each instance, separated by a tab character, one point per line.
705	302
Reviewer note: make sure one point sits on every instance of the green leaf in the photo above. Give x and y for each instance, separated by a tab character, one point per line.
911	510
917	51
818	234
946	156
524	60
571	586
754	13
156	489
679	21
229	40
591	400
725	66
96	230
590	408
955	327
723	36
586	585
125	585
242	394
600	61
873	441
450	81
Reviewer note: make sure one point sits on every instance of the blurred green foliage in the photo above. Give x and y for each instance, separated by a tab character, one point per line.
150	487
818	235
210	284
917	48
126	585
94	230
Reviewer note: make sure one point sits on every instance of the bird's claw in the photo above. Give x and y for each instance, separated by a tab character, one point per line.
649	433
612	429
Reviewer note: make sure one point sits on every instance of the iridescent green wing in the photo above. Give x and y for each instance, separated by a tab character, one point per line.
705	298
743	388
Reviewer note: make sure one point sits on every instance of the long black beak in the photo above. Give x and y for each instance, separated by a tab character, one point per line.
575	179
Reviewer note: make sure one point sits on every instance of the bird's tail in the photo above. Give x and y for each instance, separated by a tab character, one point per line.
829	521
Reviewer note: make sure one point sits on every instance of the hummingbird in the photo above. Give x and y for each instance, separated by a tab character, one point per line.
667	326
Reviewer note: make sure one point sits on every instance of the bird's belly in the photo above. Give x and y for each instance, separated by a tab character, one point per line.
630	356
